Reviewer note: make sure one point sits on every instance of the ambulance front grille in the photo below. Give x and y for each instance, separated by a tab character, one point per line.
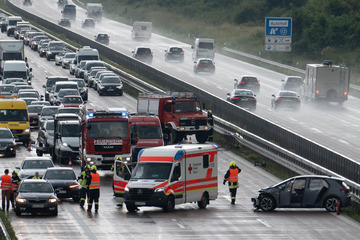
141	193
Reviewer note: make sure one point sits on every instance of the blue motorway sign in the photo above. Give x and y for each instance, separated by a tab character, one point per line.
278	27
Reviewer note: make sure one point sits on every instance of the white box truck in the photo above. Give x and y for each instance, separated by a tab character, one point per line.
174	174
95	11
203	48
141	30
11	50
326	82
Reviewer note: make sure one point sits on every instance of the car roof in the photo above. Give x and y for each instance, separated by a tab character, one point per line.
35	181
37	158
60	168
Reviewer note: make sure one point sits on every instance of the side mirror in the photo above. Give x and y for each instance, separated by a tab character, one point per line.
228	94
44	86
165	51
282	80
192	47
273	95
30	69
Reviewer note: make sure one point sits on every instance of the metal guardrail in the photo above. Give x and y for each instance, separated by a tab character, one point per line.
258	127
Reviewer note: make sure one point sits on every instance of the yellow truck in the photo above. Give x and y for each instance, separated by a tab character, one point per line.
14	115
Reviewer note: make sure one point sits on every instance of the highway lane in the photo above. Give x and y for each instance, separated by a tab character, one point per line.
219	221
337	129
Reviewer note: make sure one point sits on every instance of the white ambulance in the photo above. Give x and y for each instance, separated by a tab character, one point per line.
170	175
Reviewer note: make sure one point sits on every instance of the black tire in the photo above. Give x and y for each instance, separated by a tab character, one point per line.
17	212
131	208
39	152
204	201
170	204
55	212
121	92
202	136
47	58
330	204
267	203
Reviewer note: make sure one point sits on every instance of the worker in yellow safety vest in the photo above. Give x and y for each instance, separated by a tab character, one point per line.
232	177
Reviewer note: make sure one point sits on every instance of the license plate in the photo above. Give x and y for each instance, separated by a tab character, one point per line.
62	191
2	148
244	100
110	89
140	203
38	205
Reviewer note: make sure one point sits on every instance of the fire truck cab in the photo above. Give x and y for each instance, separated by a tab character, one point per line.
180	114
105	136
175	174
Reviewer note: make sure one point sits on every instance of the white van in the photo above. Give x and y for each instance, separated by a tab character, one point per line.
203	48
17	69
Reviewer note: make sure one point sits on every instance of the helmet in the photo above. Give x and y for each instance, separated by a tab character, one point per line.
232	164
93	167
119	158
210	111
15	172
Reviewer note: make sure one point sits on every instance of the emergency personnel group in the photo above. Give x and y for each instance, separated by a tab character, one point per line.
89	182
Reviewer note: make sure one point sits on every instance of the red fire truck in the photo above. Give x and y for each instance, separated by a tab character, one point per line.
180	114
105	136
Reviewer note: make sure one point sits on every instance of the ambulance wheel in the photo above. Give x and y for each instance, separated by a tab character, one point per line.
170	204
131	208
204	201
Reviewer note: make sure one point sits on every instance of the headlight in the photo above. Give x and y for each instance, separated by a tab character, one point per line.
52	200
119	87
159	189
126	188
21	200
27	130
65	144
73	186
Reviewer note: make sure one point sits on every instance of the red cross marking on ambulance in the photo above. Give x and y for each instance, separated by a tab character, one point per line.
190	168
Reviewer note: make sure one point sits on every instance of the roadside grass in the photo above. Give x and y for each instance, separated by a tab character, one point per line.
8	226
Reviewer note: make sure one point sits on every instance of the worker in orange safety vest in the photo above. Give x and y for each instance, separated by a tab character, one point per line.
232	177
6	189
94	189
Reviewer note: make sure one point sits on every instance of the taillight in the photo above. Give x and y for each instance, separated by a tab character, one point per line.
257	83
252	99
213	65
345	93
317	92
170	52
199	65
235	98
182	53
280	98
297	99
242	82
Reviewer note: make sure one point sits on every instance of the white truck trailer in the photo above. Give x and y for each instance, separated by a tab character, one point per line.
11	50
141	30
95	11
326	83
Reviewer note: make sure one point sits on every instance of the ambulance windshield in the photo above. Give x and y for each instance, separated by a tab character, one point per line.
146	170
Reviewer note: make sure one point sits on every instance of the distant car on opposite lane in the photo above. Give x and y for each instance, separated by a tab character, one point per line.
102	38
204	65
65	22
247	82
174	53
88	22
292	83
285	100
143	54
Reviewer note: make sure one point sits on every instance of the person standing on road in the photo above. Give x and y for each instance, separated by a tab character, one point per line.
5	189
85	180
37	176
232	177
211	125
94	189
15	181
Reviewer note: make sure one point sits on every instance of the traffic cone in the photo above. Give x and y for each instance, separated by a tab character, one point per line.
70	162
29	146
190	140
338	207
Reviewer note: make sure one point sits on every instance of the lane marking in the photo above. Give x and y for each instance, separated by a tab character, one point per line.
177	223
263	222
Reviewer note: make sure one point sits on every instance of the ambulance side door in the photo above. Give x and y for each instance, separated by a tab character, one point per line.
177	182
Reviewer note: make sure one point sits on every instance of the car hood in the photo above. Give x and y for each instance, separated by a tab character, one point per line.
36	195
61	183
6	140
145	183
26	173
72	141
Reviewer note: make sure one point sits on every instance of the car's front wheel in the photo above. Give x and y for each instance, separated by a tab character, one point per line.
267	203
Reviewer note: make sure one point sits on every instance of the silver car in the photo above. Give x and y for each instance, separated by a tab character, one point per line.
31	165
306	191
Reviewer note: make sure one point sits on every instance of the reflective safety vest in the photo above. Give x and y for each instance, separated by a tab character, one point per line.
6	182
95	181
83	180
233	175
35	177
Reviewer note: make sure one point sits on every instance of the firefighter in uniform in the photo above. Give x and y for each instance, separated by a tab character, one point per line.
85	180
94	189
5	189
232	177
15	181
211	124
37	176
